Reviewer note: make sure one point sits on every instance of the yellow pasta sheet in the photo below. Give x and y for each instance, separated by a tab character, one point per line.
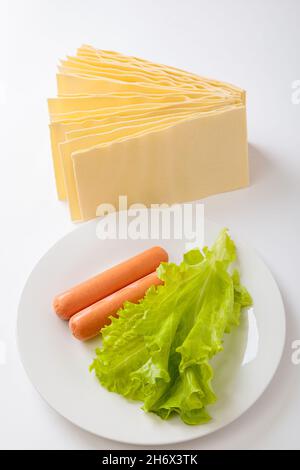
122	125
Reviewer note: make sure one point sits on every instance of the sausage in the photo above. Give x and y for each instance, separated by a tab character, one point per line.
96	288
88	323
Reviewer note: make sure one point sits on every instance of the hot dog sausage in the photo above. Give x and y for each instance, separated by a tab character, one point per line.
96	288
88	323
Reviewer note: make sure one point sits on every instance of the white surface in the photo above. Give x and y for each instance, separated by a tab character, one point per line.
242	371
252	44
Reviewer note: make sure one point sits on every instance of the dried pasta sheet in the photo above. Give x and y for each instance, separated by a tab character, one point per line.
121	125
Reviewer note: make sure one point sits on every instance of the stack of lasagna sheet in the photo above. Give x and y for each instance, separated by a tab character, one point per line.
126	126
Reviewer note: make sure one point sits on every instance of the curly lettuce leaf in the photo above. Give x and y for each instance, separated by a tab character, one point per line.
158	351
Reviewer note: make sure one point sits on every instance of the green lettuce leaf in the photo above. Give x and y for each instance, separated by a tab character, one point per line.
158	351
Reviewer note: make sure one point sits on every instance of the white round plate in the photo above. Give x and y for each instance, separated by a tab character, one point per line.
57	364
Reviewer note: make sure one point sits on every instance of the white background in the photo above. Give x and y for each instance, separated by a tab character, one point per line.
254	45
